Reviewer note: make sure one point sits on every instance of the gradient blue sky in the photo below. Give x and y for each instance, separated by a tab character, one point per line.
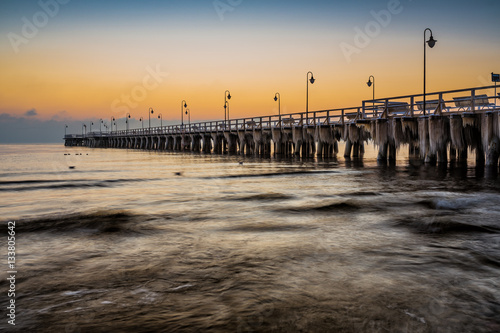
93	52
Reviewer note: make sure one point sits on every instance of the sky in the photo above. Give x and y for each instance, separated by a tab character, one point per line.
74	62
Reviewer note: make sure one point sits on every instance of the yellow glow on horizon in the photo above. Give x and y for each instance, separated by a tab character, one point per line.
85	80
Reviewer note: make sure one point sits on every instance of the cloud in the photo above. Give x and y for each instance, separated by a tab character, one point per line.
33	130
61	116
31	113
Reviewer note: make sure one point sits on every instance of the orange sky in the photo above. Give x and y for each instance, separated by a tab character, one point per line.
87	69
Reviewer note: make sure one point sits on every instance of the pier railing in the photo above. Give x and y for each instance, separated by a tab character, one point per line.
312	119
472	100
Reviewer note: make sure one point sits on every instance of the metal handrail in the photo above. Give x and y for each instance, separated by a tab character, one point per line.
406	105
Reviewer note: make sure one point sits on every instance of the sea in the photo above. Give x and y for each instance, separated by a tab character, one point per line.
110	240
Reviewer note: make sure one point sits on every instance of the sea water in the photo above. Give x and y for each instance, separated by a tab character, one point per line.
112	240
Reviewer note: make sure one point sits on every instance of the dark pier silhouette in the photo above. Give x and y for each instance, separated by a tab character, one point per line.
444	126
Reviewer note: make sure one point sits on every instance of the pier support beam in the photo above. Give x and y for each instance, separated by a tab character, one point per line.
207	144
246	142
382	152
493	152
277	138
348	149
298	139
231	140
382	139
423	137
439	130
457	139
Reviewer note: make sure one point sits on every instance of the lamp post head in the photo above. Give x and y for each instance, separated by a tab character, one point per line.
152	111
369	83
128	116
229	96
275	98
431	42
312	80
185	105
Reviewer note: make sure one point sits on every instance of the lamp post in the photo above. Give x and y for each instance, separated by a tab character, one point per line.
100	123
183	106
111	123
142	122
312	80
65	127
370	83
431	42
227	96
277	98
188	113
84	126
91	123
495	78
160	116
151	111
127	117
226	107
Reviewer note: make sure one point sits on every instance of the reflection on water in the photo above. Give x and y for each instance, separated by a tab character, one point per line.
138	241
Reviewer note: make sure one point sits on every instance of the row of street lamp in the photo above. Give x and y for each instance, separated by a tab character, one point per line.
277	97
141	119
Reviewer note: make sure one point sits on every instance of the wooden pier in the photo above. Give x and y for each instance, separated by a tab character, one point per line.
446	128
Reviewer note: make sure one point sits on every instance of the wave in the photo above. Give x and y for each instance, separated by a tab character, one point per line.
443	226
263	197
442	204
105	222
272	174
360	194
59	184
52	187
338	207
20	182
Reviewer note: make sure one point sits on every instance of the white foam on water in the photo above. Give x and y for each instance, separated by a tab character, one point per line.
182	287
420	319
